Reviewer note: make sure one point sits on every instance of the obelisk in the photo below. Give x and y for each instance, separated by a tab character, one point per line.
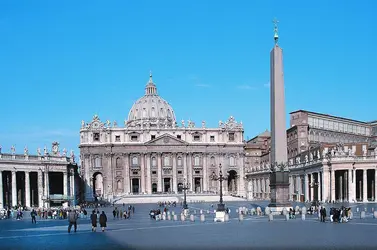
279	176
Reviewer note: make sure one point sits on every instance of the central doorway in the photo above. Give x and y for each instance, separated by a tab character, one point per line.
166	185
135	185
197	184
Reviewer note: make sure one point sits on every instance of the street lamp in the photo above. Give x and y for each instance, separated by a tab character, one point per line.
184	186
221	178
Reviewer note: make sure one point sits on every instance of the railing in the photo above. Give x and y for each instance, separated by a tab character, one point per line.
44	158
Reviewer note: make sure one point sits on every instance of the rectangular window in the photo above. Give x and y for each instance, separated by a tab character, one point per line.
154	172
179	172
336	126
310	121
331	125
96	137
196	137
231	136
315	122
117	138
320	123
358	129
135	173
326	124
212	138
153	137
354	129
367	131
362	130
341	127
133	137
197	172
179	137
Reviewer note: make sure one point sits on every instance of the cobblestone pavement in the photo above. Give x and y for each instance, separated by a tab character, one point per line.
140	232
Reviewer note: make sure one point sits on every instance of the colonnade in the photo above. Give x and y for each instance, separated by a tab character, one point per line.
260	188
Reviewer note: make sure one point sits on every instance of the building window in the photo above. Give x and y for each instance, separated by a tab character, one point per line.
118	163
179	172
231	136
153	112
154	162
133	137
97	162
231	161
117	138
144	112
135	160
196	161
213	161
196	137
212	138
134	173
310	121
154	172
179	161
166	161
153	137
96	137
179	137
320	122
197	172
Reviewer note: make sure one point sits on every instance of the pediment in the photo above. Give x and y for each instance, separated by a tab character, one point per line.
166	139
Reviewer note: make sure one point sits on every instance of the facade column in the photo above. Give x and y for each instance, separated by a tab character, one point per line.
190	180
142	173
159	173
332	185
1	190
306	185
311	187
320	177
40	189
298	187
127	185
184	162
175	185
73	188
205	174
14	189
365	188
375	184
27	189
65	182
340	188
149	181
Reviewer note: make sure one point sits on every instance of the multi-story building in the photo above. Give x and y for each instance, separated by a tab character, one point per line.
41	180
330	158
152	153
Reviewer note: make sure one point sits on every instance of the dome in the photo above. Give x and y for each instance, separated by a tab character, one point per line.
151	110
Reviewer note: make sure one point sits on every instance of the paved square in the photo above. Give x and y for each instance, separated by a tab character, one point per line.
140	232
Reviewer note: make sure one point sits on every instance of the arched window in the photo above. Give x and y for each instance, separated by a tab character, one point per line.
119	184
179	162
231	161
213	161
166	161
154	162
196	161
153	112
168	113
144	112
118	162
161	112
135	161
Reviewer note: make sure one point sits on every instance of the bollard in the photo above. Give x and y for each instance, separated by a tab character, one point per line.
240	217
194	211
192	218
202	218
357	209
267	210
237	211
351	215
207	211
172	213
183	217
375	214
201	211
270	217
303	210
284	211
362	215
365	209
297	209
226	217
303	216
287	217
372	209
175	217
169	217
164	217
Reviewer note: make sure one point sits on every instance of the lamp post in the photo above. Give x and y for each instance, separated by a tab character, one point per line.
221	178
184	186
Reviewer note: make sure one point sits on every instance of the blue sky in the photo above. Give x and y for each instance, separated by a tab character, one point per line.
64	61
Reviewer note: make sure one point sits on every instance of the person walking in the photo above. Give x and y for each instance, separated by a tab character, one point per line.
33	214
103	220
72	218
93	218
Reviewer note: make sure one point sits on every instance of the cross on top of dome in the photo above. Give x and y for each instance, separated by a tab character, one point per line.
150	89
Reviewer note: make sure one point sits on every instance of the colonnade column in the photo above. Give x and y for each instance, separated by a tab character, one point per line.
142	174
320	182
65	182
1	190
325	188
311	187
291	186
73	193
332	185
175	174
159	174
306	181
149	181
184	162
189	172
351	193
298	185
365	187
375	184
14	189
40	189
27	189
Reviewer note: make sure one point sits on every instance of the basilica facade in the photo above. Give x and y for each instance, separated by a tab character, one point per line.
153	153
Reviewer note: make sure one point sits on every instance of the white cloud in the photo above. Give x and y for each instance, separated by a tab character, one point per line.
245	87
